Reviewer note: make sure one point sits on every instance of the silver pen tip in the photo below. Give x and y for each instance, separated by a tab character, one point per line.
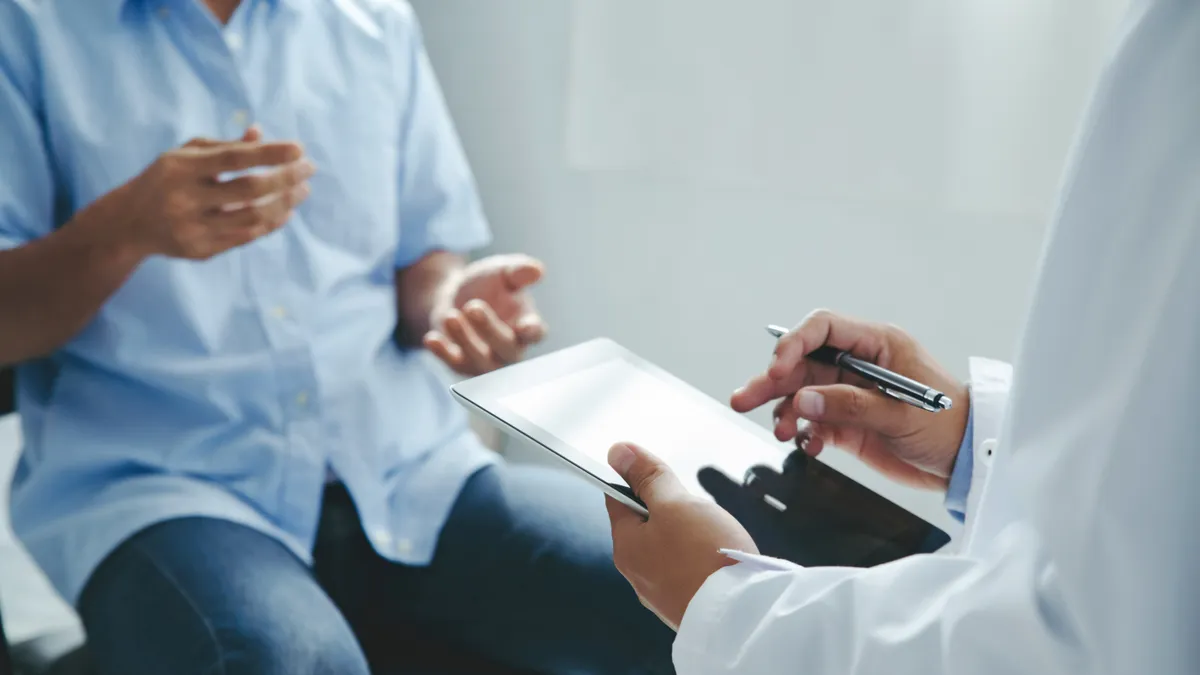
945	402
777	331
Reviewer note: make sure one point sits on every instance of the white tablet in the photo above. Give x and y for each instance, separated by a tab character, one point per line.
576	403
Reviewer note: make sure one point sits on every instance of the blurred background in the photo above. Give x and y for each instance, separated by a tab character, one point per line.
691	170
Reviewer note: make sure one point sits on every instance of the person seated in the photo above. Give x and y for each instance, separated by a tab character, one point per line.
227	229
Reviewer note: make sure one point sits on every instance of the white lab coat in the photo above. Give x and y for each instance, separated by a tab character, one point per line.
1082	547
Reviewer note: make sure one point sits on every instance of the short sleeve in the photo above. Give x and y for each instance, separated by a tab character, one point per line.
26	178
439	203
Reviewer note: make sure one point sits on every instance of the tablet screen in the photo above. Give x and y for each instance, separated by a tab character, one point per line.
617	401
578	402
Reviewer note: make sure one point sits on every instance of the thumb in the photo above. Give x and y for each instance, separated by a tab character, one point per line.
521	272
203	143
649	478
253	135
848	405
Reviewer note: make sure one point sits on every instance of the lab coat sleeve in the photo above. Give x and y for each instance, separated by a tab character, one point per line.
924	615
1037	590
990	382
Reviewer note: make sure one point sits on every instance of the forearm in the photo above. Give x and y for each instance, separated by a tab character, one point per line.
420	288
52	287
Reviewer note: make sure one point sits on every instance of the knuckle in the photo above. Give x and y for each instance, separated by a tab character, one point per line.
856	404
645	477
292	198
252	186
819	315
170	163
178	204
229	160
292	175
896	334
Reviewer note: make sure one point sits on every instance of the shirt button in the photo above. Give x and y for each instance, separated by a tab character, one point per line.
163	12
987	451
403	547
302	399
383	539
234	41
279	312
241	117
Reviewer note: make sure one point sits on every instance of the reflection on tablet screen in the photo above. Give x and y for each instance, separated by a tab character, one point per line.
814	515
616	401
807	512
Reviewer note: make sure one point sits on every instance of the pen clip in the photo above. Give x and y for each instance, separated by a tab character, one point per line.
908	398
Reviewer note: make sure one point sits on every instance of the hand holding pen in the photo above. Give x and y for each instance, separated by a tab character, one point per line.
893	384
819	404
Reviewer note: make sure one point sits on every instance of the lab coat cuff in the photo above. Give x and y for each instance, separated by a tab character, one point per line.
703	621
990	383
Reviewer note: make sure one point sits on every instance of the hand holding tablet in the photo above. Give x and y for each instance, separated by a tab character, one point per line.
578	402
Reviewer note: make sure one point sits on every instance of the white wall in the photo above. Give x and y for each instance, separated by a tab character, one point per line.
685	271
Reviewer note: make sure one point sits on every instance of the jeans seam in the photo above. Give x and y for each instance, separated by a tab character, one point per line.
212	631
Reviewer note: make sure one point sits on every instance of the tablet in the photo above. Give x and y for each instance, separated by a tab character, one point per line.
577	402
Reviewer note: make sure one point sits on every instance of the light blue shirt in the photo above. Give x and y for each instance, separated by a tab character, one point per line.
959	488
228	388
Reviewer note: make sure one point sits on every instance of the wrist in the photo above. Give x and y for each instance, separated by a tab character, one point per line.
117	228
425	293
109	231
441	297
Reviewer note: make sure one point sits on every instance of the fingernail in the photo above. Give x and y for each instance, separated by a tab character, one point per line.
739	391
621	458
810	404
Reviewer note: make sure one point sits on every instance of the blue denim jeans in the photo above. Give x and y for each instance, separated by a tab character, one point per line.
523	577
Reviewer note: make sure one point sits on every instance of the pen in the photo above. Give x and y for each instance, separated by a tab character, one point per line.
896	386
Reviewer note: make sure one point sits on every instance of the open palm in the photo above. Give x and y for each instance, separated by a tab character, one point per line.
489	318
